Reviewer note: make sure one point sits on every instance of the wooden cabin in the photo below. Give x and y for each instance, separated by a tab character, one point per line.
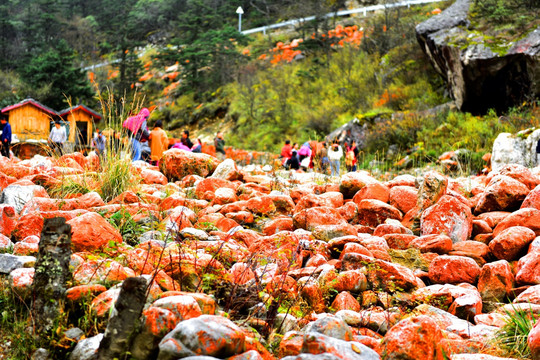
81	121
30	119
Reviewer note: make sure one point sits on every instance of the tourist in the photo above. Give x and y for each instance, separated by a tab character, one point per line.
187	142
57	138
351	156
286	151
197	148
335	153
98	143
322	158
159	142
305	151
182	145
6	137
292	163
138	131
219	142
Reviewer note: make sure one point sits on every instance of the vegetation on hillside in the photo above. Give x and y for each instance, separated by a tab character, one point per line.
188	59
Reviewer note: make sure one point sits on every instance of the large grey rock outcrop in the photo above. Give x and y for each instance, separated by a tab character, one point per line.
18	195
478	77
515	149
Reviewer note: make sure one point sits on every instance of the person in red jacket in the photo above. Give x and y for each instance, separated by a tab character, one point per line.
286	151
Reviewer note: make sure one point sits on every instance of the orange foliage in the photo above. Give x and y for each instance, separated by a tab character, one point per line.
91	77
146	77
112	74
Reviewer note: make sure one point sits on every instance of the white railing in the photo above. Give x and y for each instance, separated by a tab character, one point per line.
363	10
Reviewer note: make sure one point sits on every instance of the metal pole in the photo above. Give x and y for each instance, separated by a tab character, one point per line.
239	22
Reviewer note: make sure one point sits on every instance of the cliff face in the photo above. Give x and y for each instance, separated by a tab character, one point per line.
478	77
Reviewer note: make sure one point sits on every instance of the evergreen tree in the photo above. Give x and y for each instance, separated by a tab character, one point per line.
54	72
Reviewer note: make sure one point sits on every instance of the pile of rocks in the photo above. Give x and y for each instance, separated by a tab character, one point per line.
251	265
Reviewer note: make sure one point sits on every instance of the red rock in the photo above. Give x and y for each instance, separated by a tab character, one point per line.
349	212
440	244
310	218
86	201
247	237
182	306
206	188
375	212
278	224
502	193
241	273
493	218
496	281
261	206
509	243
84	292
531	295
462	300
528	269
25	249
40	204
470	248
522	174
224	196
403	198
102	304
345	301
331	231
422	331
91	231
149	176
282	285
433	187
453	270
8	219
176	164
158	321
312	200
127	197
241	217
333	198
448	216
351	280
533	199
316	260
30	224
95	271
399	241
402	180
20	281
373	191
381	274
384	229
298	193
533	340
492	319
355	248
5	242
291	344
524	217
284	204
480	227
352	182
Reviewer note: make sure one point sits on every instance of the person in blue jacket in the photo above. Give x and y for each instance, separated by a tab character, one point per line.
6	137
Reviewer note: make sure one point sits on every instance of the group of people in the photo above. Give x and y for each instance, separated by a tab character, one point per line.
325	158
137	129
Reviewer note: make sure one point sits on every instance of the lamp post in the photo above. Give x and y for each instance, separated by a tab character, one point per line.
239	11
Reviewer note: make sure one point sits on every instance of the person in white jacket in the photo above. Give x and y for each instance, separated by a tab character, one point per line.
335	153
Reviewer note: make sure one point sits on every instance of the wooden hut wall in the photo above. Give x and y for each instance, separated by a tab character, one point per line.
79	115
29	122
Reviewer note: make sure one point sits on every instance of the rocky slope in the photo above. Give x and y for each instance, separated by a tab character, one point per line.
243	264
480	76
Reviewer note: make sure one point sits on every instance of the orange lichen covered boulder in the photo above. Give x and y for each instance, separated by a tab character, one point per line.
91	231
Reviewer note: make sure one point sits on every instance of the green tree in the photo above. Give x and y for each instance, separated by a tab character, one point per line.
54	72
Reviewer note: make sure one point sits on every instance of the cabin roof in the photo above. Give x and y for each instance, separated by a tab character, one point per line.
82	107
36	103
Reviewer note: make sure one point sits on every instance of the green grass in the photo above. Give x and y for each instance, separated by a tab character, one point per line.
512	337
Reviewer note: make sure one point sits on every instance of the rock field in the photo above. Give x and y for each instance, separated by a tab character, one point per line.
243	264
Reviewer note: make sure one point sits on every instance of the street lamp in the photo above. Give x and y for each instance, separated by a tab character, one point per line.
239	11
